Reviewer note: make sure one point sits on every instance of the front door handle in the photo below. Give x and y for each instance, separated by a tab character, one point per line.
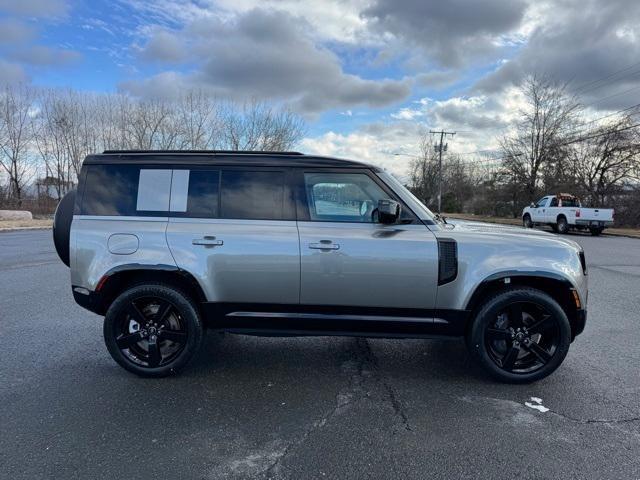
324	245
207	241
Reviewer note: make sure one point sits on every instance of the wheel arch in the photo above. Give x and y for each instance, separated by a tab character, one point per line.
122	277
555	285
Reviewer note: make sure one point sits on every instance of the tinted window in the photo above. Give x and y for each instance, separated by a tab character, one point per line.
554	202
111	190
342	197
257	195
203	196
126	190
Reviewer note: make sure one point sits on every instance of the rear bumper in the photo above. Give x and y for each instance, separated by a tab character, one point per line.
594	223
87	299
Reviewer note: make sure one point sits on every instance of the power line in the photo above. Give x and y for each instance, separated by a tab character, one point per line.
606	77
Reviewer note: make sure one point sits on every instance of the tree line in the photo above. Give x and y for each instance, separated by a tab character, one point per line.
553	147
46	133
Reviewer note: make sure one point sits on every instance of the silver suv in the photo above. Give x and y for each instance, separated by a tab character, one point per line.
279	243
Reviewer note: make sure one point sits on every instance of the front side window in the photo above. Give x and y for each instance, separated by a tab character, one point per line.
342	197
541	202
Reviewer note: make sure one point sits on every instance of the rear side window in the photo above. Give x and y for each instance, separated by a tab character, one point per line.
126	190
204	188
255	195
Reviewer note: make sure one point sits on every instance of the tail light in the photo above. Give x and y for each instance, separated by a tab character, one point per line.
578	213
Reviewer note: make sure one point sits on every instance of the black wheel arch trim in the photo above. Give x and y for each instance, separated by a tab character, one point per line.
98	301
577	318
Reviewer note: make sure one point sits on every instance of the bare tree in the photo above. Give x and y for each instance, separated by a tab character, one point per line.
603	164
545	124
16	109
199	116
257	126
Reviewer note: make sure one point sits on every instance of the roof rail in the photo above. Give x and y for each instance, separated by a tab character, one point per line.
207	152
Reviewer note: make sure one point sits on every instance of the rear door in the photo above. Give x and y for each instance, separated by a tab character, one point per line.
347	259
234	229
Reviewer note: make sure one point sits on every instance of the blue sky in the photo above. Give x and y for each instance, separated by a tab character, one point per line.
368	76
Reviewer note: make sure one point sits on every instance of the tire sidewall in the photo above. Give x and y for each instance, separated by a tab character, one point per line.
526	221
182	303
563	226
488	313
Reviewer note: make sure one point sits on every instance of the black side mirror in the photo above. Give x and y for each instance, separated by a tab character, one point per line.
388	211
533	205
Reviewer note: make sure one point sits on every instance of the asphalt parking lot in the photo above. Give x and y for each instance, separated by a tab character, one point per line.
309	407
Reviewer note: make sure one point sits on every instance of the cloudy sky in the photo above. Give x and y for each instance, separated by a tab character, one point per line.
367	75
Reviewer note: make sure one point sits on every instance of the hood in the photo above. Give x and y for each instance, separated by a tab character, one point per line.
509	232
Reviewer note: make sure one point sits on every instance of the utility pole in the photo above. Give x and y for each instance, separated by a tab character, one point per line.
440	147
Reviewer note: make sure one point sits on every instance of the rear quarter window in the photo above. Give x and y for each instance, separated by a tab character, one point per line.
126	190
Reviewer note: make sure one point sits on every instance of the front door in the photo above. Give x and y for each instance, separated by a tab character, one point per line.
349	259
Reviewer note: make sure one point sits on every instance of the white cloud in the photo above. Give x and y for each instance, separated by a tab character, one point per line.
374	143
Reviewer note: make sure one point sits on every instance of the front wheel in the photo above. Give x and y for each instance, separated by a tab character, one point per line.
520	335
526	221
152	330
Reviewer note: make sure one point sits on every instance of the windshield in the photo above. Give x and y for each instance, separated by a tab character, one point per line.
409	198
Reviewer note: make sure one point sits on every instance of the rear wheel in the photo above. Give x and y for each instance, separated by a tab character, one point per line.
526	221
520	335
562	224
152	330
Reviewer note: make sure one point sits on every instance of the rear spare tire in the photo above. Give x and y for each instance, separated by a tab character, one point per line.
62	225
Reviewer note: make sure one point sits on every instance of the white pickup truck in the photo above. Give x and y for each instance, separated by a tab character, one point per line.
564	212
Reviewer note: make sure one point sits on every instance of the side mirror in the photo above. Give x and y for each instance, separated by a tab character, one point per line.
388	211
533	205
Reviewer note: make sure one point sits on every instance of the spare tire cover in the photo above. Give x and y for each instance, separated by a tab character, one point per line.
62	225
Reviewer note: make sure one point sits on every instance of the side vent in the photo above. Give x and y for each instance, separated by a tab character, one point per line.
447	260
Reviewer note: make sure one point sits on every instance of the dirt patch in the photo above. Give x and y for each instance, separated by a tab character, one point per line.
25	224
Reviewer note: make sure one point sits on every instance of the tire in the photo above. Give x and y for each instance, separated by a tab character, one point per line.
596	231
562	224
554	227
152	314
62	225
519	356
526	221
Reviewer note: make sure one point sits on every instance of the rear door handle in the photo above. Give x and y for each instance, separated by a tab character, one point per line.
207	241
324	245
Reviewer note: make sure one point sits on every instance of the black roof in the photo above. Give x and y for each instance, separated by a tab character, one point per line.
219	157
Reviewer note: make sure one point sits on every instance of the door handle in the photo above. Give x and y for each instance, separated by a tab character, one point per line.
324	245
207	241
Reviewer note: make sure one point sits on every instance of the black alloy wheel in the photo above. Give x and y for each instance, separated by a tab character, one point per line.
152	330
523	338
520	335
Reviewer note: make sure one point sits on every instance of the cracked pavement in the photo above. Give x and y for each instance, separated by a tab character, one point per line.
291	408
